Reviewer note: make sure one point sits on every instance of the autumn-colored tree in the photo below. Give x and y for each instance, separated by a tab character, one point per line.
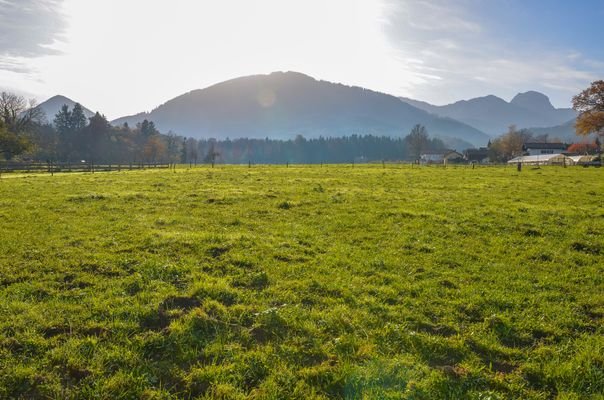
590	106
154	149
583	148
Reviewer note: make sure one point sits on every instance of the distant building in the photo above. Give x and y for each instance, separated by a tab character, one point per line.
480	155
543	159
432	158
583	159
453	156
534	149
450	156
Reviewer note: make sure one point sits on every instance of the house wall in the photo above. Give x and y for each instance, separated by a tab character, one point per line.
538	152
431	158
454	157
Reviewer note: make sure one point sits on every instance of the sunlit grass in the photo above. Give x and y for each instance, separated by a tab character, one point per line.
303	282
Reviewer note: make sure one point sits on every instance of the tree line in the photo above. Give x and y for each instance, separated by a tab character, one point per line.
72	137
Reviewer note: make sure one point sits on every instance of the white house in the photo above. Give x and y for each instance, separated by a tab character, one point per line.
534	149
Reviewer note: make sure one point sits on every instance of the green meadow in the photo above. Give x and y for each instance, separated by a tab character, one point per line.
305	282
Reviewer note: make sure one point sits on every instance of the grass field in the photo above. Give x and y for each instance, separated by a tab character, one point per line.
303	282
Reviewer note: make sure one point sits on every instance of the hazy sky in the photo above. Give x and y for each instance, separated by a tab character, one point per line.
126	56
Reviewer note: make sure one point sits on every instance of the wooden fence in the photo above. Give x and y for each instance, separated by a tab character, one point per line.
52	167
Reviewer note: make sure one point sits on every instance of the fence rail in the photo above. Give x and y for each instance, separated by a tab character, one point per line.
52	167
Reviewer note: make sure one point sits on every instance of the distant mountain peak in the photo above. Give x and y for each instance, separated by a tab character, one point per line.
488	99
52	106
291	74
494	115
59	98
534	101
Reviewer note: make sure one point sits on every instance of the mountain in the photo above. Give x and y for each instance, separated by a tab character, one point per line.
533	101
52	106
285	104
494	115
565	132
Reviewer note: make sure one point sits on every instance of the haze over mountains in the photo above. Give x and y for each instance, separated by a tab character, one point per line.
282	105
285	104
494	115
564	132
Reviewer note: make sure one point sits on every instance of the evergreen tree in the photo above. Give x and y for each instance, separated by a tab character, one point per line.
65	135
95	137
148	129
77	119
62	120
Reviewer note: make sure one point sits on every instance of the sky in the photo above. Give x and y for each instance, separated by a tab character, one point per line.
121	57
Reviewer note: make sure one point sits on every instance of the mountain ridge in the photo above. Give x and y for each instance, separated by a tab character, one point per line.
565	132
493	115
285	104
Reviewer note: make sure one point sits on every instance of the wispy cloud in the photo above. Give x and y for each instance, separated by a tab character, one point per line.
457	55
13	65
28	29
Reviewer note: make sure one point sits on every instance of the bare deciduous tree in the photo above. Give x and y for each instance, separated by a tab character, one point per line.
17	114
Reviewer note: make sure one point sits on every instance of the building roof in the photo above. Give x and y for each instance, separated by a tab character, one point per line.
545	146
538	159
482	152
440	153
480	149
